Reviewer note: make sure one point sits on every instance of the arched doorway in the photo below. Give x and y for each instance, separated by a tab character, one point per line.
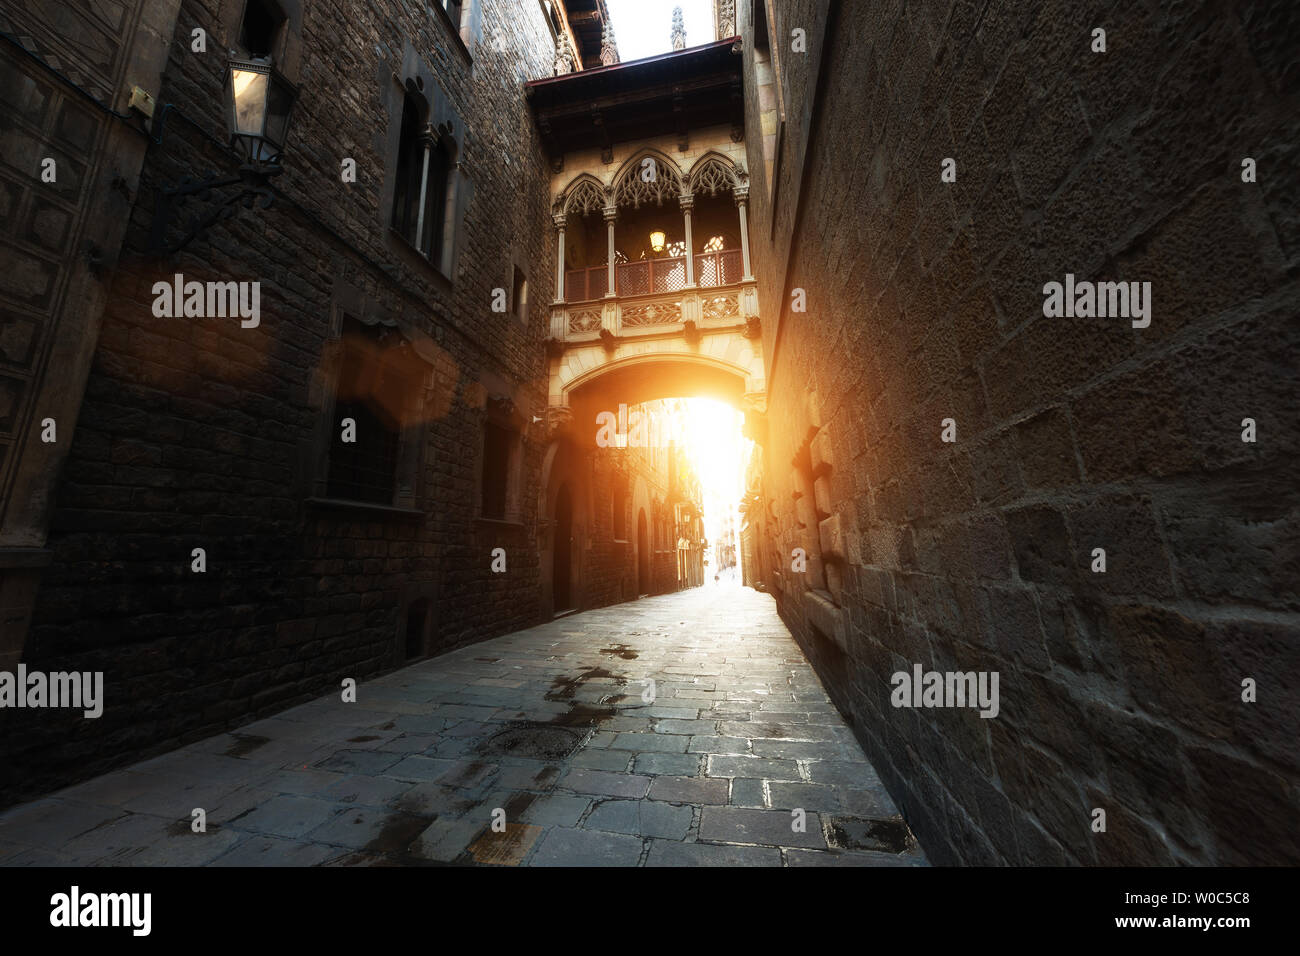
642	555
562	552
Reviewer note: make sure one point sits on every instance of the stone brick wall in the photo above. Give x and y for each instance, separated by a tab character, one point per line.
1119	690
199	433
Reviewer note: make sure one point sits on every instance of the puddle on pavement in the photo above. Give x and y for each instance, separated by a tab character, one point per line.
583	715
397	833
883	836
620	650
517	804
563	688
465	778
245	744
358	740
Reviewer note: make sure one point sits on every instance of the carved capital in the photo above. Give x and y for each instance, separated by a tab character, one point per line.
559	420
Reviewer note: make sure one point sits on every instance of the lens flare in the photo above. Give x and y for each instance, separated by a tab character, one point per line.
712	438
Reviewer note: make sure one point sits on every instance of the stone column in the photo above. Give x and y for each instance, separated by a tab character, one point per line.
611	214
560	221
688	203
428	139
742	199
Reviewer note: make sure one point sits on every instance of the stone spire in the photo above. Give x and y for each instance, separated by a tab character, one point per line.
679	30
608	45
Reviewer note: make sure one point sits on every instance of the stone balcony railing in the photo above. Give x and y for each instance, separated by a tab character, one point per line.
716	307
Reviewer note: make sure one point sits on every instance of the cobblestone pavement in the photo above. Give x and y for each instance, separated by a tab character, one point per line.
548	732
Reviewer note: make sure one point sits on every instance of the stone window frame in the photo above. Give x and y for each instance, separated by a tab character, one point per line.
519	295
414	78
769	51
465	27
410	481
286	56
516	261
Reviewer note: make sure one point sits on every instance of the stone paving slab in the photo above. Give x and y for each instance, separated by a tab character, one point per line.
547	724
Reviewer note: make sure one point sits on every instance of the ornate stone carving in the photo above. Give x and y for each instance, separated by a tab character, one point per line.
608	46
559	419
726	18
564	60
584	320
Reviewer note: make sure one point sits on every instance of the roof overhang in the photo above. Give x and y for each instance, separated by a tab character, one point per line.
673	93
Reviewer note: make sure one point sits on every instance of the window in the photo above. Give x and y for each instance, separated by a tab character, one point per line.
498	446
420	191
365	468
260	28
519	296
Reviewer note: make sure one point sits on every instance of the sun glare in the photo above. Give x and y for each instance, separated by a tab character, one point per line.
711	435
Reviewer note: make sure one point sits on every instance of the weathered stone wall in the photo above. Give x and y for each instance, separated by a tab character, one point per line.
1119	690
199	433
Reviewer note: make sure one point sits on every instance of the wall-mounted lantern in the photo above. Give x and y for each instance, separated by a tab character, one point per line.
657	241
258	103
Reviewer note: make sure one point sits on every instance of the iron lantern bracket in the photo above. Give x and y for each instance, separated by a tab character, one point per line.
255	188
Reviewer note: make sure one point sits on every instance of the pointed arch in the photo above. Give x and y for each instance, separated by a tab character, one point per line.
712	173
630	189
585	194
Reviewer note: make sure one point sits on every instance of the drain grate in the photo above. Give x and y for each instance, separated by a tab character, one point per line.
542	741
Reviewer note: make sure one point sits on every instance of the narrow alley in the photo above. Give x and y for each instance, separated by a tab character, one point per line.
684	729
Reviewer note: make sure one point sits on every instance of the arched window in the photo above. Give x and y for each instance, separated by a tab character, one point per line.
648	180
420	191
